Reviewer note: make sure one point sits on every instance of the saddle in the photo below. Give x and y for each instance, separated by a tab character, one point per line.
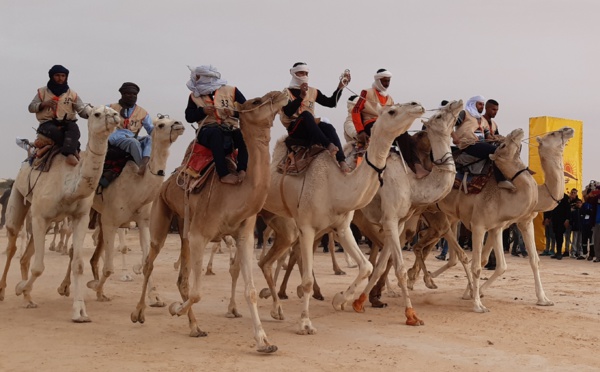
299	156
42	153
472	173
198	167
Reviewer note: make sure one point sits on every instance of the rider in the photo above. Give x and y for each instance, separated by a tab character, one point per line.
55	107
472	132
366	112
298	115
212	105
133	117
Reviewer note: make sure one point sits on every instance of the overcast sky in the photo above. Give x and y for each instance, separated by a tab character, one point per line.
536	57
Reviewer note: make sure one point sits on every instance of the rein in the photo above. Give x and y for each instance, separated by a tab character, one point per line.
378	170
526	169
549	193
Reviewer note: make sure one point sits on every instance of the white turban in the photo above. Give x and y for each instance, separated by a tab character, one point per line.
297	80
377	83
204	80
470	106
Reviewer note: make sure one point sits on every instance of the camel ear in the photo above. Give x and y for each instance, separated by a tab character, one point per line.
423	122
538	140
493	157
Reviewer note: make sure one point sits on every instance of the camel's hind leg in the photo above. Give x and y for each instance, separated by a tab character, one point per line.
215	247
331	247
280	247
160	219
80	224
154	299
534	261
122	249
108	236
15	216
55	231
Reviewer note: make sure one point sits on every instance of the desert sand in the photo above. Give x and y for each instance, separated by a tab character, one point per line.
516	335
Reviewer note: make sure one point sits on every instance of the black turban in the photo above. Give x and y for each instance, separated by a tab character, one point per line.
129	86
58	69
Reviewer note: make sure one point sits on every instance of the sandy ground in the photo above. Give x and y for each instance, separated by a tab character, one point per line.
516	335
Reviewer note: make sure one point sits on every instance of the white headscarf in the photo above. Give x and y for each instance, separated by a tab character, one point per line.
296	80
204	80
470	106
377	83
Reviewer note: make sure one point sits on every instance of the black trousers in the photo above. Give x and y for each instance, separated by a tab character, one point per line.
223	143
306	128
407	147
483	150
260	228
559	232
64	133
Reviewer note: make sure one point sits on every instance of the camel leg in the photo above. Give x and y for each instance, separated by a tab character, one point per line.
457	254
377	290
79	224
477	239
160	221
25	260
108	235
382	257
234	271
154	299
55	230
278	250
39	228
16	212
292	260
306	240
317	295
331	246
365	268
125	275
494	240
65	286
266	234
64	236
99	242
526	229
215	247
394	239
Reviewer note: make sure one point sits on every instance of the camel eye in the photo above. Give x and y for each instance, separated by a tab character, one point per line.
161	125
257	102
392	112
97	114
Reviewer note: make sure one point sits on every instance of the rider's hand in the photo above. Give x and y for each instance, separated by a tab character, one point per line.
49	104
362	137
209	110
345	80
228	112
303	90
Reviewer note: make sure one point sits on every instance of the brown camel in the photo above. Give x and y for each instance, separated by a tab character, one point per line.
218	210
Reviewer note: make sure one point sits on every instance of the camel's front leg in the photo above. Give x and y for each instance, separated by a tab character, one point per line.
280	248
306	240
79	229
234	271
122	249
245	248
494	240
526	229
154	299
477	238
392	238
108	236
15	216
365	268
381	268
65	287
39	227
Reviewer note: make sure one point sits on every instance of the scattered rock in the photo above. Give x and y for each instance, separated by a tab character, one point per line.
490	342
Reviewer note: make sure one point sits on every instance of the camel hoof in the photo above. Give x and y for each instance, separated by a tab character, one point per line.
544	302
318	297
81	319
376	303
277	314
233	313
137	316
339	301
481	309
100	297
300	291
64	290
340	272
411	317
267	349
174	308
2	290
307	329
52	248
282	296
209	272
20	288
430	284
30	305
93	284
265	293
157	303
137	269
176	265
126	278
197	332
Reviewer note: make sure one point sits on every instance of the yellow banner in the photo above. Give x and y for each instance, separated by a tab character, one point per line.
573	161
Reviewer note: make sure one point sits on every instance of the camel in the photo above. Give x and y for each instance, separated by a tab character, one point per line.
218	210
393	206
550	147
323	199
500	209
230	243
63	191
122	248
64	230
129	198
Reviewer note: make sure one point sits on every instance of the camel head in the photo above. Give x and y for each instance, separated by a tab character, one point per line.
102	121
261	111
555	141
396	119
166	130
443	121
510	149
